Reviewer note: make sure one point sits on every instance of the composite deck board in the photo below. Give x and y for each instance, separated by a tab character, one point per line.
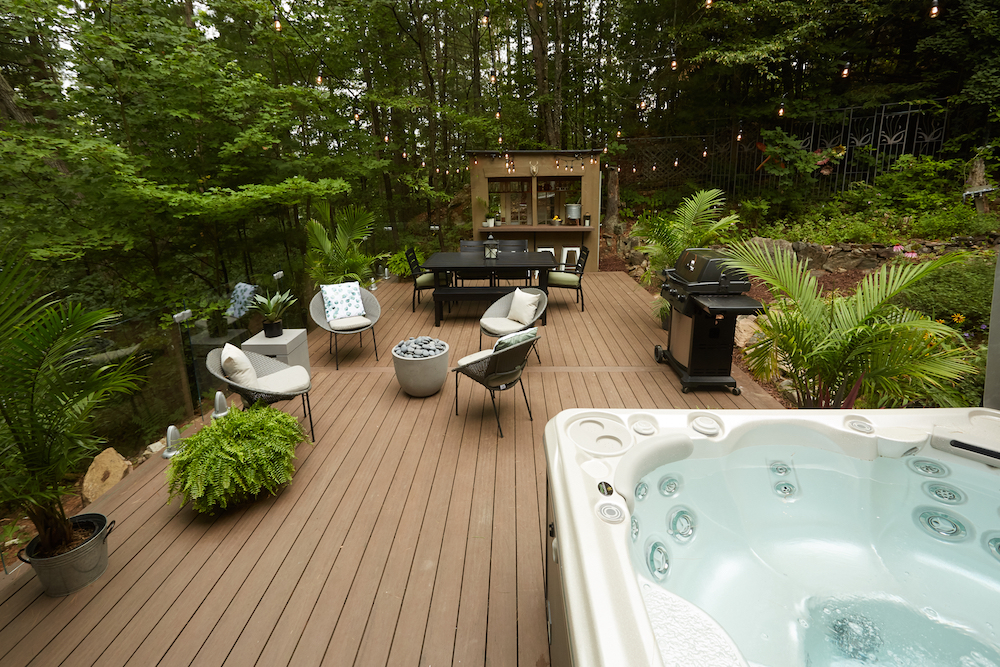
409	536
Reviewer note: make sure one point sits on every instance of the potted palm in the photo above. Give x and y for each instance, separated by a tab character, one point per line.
272	308
48	397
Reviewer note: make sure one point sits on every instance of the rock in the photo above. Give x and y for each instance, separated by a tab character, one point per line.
635	258
109	468
746	327
811	253
772	244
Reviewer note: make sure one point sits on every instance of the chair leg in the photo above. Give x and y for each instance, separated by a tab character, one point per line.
375	343
414	299
336	355
525	394
496	412
456	394
583	307
535	348
307	409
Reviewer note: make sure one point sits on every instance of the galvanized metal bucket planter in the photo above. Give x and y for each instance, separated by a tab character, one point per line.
69	572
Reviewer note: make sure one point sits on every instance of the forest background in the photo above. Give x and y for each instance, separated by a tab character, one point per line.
154	152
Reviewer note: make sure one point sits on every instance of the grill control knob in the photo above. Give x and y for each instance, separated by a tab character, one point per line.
681	297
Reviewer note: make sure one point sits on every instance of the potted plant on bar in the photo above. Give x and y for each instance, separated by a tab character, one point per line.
272	308
48	397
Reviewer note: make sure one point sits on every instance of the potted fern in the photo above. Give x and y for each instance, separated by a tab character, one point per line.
235	459
48	398
272	308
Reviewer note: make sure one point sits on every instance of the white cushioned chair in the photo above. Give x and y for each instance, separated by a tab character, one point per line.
497	321
347	325
266	380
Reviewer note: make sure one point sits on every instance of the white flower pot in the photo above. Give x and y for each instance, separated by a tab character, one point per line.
421	377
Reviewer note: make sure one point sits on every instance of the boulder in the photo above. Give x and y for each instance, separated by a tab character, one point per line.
811	253
772	244
746	327
109	468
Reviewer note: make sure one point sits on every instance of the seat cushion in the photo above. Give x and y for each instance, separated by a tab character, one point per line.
523	307
560	279
474	357
237	367
291	380
425	280
349	323
513	339
342	300
499	326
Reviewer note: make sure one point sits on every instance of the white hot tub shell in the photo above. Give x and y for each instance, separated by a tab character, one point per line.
607	608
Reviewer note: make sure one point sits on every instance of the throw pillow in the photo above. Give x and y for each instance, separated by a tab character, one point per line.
237	366
510	340
522	308
342	300
241	299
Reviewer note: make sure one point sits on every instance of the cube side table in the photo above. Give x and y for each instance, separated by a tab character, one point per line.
290	347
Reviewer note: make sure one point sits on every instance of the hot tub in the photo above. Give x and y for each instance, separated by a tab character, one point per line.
778	538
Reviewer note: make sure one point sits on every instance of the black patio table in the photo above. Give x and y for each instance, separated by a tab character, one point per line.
443	262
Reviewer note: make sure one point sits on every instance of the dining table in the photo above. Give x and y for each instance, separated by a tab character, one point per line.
443	263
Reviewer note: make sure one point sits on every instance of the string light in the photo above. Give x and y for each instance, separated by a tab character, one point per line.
498	115
935	10
357	116
404	155
673	57
846	71
739	135
676	161
708	3
387	138
704	150
654	167
493	76
781	109
277	22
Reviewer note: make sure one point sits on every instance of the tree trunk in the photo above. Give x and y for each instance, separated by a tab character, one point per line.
539	24
611	219
8	106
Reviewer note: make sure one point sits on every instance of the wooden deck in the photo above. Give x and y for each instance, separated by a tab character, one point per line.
410	535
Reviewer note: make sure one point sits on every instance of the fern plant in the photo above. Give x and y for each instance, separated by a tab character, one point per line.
340	258
236	458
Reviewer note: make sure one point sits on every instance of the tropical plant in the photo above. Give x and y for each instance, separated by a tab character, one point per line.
48	397
691	225
842	349
399	265
235	458
340	258
273	307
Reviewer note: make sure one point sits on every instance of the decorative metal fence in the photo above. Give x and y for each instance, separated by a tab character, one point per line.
732	156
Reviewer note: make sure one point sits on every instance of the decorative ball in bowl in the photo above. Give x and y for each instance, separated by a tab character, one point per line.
421	365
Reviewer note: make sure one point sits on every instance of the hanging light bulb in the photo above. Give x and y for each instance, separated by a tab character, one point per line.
357	116
500	140
423	164
404	155
319	79
486	16
493	76
277	22
633	168
498	115
935	10
844	73
676	161
619	134
704	150
739	135
708	3
654	167
781	109
673	62
387	138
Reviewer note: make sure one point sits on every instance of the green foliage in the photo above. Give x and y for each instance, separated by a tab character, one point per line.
964	288
784	155
50	391
859	345
236	458
398	265
341	258
954	220
694	223
912	185
273	307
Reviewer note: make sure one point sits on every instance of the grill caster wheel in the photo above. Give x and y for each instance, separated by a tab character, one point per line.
737	391
658	354
685	390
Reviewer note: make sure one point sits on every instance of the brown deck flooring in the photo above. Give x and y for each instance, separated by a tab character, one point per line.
410	535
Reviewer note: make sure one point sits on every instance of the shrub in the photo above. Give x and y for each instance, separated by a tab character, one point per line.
398	265
959	220
235	458
963	288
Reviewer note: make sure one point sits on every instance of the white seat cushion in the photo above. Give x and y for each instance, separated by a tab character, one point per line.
349	323
564	279
237	367
289	380
523	307
342	300
474	357
500	326
425	280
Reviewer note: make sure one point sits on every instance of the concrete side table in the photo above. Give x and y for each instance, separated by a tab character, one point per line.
290	347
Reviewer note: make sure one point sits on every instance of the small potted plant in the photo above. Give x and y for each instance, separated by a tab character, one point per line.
272	308
48	398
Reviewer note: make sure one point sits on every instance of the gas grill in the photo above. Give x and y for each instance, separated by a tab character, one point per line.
705	298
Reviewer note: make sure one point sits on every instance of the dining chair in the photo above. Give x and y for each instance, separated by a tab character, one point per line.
572	279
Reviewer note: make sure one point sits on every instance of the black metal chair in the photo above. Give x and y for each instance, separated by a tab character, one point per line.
473	274
497	370
572	279
513	245
422	280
